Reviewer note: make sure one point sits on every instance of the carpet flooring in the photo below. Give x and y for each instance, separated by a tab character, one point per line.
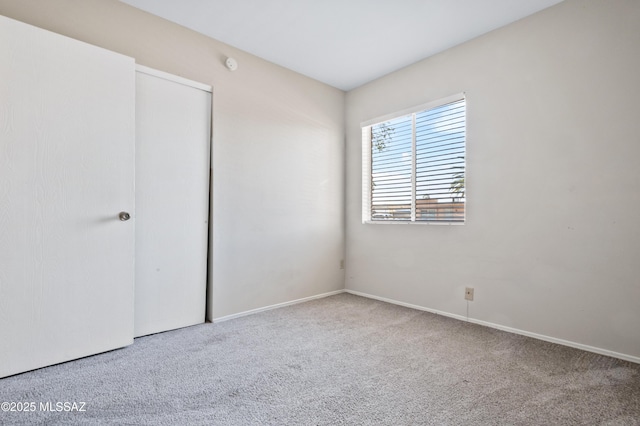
341	360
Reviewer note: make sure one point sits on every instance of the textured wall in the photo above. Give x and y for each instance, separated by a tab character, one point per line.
552	236
278	150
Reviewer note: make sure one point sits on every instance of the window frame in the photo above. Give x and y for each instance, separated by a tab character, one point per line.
367	163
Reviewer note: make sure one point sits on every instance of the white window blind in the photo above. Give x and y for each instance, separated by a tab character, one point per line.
416	166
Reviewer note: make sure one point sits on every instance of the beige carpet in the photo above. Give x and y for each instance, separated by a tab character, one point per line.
343	360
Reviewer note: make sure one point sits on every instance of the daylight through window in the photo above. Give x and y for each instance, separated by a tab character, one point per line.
416	165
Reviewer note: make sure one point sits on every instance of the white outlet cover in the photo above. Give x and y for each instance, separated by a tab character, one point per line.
468	293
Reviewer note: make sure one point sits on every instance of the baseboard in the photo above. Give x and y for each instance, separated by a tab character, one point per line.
276	306
575	345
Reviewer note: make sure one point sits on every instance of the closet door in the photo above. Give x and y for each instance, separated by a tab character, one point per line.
67	129
172	201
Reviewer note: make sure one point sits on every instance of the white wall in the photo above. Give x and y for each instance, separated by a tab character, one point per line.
278	152
552	238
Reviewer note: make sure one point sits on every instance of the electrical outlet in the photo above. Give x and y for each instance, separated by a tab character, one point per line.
468	293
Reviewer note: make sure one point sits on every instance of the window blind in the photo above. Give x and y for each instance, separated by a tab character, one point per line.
440	163
391	169
418	166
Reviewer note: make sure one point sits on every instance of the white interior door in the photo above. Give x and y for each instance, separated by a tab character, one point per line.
67	129
173	121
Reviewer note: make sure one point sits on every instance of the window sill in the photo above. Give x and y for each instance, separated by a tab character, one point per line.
404	222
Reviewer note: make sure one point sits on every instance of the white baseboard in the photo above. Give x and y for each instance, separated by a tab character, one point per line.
587	348
276	306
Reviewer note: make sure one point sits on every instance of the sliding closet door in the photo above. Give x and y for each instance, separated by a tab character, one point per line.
67	129
172	201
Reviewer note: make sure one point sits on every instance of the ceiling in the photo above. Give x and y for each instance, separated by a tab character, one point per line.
344	43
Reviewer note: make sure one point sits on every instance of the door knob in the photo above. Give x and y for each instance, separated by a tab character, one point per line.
123	216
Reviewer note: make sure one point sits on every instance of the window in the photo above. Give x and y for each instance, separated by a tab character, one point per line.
414	165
